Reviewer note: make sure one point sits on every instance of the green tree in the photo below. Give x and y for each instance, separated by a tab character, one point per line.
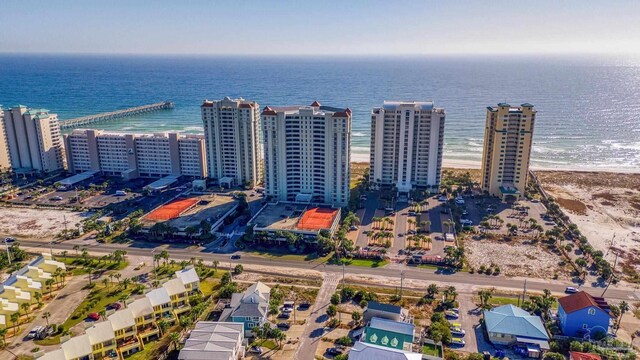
3	335
46	315
26	307
15	318
163	325
332	310
432	291
174	338
485	296
335	299
356	316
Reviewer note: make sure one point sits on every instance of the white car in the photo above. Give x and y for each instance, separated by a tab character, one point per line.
571	290
442	198
466	222
459	201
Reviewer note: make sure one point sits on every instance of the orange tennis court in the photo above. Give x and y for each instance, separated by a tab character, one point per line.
317	219
171	210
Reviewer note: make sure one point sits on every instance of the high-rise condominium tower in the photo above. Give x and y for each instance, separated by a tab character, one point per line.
5	161
307	152
33	139
406	145
507	148
135	155
232	136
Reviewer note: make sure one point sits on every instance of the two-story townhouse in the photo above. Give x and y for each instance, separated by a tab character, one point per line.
190	279
178	295
145	319
124	328
102	340
161	303
76	348
582	315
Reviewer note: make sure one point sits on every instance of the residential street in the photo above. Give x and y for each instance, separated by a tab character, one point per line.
314	329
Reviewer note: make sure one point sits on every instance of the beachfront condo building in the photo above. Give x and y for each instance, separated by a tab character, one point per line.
135	155
32	140
406	145
306	153
232	134
507	148
5	161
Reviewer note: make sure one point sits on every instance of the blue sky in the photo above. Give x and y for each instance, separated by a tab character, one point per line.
319	27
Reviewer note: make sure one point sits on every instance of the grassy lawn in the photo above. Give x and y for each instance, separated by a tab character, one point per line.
97	301
432	350
504	300
428	266
372	263
208	285
78	266
269	344
286	255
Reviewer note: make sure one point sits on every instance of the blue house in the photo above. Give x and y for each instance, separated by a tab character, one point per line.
250	307
582	315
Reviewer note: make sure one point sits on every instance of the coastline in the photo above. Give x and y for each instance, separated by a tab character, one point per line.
475	165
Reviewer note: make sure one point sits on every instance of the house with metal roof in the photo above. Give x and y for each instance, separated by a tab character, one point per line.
250	307
366	351
511	325
574	355
582	315
385	311
214	341
389	333
102	340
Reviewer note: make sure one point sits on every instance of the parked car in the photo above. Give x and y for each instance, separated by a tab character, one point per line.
284	315
255	350
235	257
456	331
33	334
451	314
304	306
56	198
459	201
115	306
466	222
442	198
283	325
457	342
571	290
94	316
334	351
353	228
9	240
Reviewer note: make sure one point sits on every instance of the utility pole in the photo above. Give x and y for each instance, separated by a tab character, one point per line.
613	272
8	252
524	291
401	281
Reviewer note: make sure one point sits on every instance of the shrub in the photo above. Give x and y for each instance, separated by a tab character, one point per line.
238	269
335	299
344	341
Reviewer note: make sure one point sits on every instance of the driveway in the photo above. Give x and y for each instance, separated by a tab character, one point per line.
314	329
60	309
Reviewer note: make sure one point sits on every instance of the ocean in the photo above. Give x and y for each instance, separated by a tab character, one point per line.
588	107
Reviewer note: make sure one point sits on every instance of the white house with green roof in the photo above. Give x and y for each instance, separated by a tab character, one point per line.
389	333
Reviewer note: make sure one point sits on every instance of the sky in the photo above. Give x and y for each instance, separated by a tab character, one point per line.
325	27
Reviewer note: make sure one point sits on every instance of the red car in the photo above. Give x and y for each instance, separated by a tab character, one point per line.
94	316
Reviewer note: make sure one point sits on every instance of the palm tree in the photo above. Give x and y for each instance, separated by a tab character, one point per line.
38	296
425	225
76	248
105	282
174	337
215	264
64	254
46	315
49	283
450	292
117	276
410	222
485	296
126	282
15	318
374	221
3	335
163	325
432	290
624	307
26	307
448	224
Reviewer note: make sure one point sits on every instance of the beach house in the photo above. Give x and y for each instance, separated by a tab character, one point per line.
250	307
582	315
510	325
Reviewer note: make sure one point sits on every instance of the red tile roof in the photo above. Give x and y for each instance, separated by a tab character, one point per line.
574	355
315	104
268	111
581	300
346	113
245	106
207	104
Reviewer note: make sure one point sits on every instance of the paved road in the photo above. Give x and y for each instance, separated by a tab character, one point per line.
179	252
314	330
60	309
